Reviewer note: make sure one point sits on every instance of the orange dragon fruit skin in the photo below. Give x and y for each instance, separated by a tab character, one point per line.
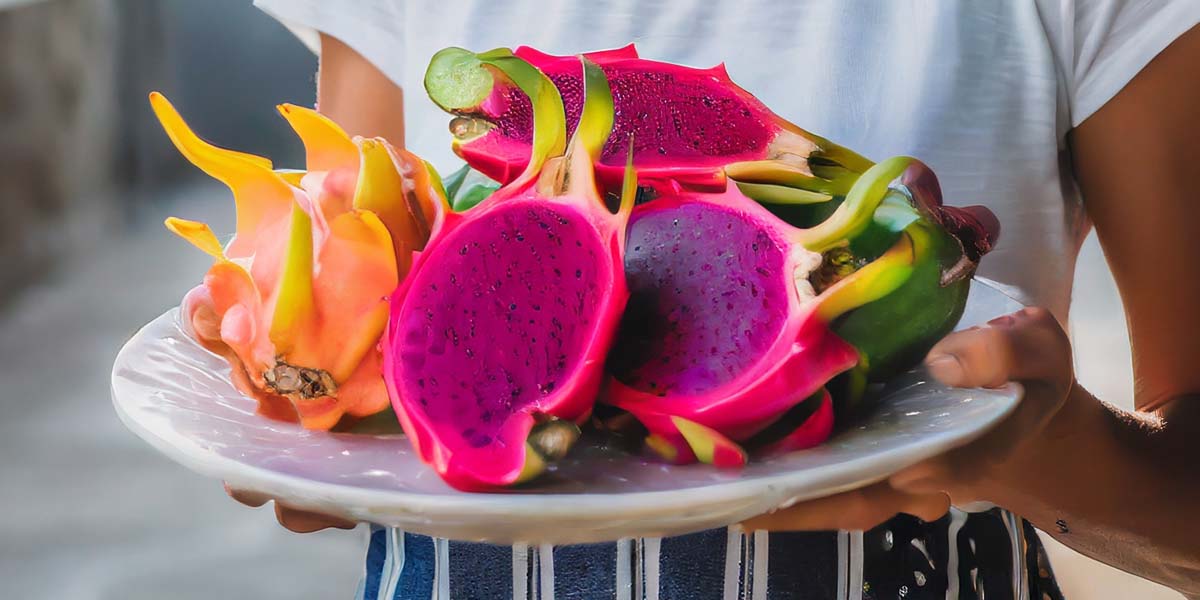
297	301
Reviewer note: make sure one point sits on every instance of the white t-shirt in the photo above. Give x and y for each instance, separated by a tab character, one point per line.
984	91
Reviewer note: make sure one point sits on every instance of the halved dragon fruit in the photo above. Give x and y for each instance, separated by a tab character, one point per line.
296	303
689	126
725	333
495	346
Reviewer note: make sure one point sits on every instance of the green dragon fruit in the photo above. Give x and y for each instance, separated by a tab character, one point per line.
894	333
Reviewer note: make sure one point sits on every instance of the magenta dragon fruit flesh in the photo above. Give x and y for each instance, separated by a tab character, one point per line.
495	347
725	329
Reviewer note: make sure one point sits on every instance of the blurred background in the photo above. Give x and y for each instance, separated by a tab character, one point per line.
87	510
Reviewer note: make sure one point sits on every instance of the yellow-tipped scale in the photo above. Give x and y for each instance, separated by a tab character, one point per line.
198	234
877	279
259	193
294	300
326	144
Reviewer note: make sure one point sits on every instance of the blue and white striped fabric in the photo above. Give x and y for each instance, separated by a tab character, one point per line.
990	555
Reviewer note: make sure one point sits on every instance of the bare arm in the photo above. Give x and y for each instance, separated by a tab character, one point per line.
1121	487
357	95
1136	163
1139	479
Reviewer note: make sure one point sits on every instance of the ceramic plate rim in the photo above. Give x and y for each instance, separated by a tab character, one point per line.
367	503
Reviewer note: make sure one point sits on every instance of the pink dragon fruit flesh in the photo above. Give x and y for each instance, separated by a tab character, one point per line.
690	126
496	341
725	334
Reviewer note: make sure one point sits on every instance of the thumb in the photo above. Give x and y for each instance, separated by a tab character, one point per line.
1028	346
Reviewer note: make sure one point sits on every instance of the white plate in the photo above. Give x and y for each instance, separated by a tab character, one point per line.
177	397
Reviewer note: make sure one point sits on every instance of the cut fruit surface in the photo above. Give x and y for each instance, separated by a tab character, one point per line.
724	328
503	326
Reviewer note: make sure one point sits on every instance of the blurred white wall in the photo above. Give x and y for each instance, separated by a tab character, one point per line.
57	101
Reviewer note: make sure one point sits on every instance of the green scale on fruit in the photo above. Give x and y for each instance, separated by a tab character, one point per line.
894	332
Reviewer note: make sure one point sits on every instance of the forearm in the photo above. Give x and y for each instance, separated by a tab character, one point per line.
357	95
1120	487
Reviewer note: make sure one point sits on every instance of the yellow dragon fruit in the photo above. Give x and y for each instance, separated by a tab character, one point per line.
297	301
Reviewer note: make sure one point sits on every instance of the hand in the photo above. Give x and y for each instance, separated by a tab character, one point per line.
292	519
1029	347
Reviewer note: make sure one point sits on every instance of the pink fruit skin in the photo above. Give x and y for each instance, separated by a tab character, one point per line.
746	405
742	126
563	386
812	432
797	361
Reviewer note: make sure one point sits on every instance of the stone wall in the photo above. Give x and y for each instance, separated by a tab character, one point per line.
57	130
82	158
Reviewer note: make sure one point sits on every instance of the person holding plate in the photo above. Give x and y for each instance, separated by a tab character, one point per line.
1057	114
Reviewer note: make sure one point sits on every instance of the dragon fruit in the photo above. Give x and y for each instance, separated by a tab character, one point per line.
296	303
726	333
873	277
949	242
691	127
495	347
